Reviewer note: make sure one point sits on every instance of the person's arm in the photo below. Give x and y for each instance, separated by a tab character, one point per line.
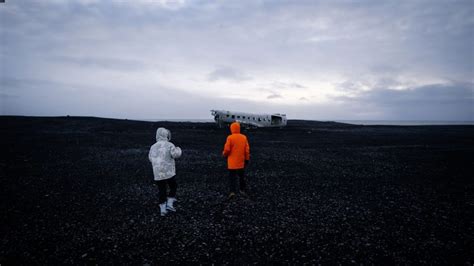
151	154
227	147
175	152
247	152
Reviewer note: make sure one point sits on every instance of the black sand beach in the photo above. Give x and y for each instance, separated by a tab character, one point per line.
79	190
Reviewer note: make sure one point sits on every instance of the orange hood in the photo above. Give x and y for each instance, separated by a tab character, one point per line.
235	128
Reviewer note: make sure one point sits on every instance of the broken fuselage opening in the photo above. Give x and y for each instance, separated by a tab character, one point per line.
276	120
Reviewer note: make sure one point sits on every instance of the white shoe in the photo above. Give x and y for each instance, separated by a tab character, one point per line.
163	210
169	204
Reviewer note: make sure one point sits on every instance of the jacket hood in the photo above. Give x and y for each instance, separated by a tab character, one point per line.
235	128
163	134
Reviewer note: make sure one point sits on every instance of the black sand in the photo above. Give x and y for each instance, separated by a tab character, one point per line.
80	190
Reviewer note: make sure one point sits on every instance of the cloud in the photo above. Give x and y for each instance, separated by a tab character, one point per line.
287	85
169	4
6	95
348	86
227	73
102	62
274	96
43	97
453	101
326	38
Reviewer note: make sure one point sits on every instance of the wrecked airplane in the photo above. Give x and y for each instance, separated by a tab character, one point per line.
223	117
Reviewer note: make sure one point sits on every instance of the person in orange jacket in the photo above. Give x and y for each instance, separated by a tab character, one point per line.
237	151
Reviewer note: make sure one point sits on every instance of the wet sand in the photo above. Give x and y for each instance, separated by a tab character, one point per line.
80	190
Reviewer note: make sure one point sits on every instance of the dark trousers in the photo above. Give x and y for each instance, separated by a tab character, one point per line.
237	176
162	187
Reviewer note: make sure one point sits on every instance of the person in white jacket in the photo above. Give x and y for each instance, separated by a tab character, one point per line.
161	156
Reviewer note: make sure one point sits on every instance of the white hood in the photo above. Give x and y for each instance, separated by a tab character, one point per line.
163	134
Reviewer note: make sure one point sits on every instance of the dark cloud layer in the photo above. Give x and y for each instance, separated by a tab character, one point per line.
440	101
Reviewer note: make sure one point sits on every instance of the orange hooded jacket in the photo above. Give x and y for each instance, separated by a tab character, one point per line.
236	148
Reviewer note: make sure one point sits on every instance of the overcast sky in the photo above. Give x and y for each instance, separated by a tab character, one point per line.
322	60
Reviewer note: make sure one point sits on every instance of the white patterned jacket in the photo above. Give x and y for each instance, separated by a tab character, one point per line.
162	155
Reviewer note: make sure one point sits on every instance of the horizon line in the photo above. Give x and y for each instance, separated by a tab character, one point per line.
468	122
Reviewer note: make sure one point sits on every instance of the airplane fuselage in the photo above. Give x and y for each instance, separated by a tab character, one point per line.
257	120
